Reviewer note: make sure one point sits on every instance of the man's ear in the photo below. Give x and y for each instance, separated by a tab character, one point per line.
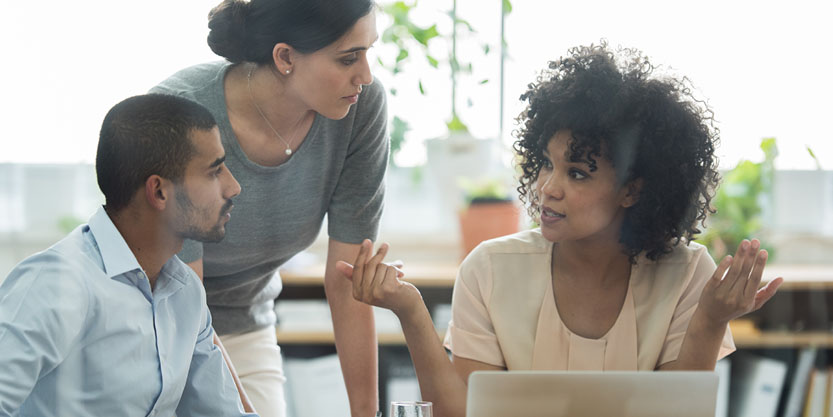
283	56
157	192
633	190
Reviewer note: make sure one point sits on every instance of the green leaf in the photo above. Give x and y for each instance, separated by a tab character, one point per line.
403	53
432	61
397	135
507	7
421	88
484	81
738	202
455	65
484	188
456	125
770	148
466	24
486	49
813	155
397	9
424	35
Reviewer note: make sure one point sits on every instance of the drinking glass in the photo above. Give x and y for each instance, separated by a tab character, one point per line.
410	409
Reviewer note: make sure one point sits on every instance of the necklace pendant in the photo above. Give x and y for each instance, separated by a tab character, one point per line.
288	151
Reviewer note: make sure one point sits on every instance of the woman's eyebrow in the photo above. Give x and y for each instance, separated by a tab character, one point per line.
357	48
351	50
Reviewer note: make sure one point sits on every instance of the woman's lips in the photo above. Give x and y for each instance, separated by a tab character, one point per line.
549	216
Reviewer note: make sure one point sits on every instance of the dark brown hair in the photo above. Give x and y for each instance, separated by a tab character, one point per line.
650	127
143	136
247	31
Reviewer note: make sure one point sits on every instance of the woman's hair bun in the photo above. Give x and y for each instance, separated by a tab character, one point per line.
227	29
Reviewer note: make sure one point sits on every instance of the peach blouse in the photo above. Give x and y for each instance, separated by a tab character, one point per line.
504	311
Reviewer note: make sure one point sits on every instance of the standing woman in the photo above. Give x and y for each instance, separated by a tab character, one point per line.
303	124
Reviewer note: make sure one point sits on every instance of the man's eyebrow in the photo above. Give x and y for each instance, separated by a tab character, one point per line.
217	162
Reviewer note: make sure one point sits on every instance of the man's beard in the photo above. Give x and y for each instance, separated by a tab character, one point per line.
191	217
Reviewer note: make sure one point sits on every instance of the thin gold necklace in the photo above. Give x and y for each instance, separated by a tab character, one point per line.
252	98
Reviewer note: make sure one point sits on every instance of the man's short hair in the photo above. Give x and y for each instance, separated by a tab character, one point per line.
142	136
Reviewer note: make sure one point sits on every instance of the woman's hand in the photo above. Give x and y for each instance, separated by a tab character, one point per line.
733	290
377	283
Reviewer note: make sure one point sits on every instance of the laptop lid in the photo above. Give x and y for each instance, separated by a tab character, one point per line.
580	394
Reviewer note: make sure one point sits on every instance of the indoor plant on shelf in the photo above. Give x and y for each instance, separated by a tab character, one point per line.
419	50
490	211
743	193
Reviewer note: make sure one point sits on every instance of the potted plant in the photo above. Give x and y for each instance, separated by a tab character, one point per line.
739	201
424	48
413	44
490	211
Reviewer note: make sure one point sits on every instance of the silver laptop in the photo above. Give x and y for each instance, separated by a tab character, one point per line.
591	394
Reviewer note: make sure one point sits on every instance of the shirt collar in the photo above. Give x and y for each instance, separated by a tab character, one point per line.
115	254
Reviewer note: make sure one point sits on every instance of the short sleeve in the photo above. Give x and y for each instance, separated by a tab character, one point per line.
356	205
471	334
703	269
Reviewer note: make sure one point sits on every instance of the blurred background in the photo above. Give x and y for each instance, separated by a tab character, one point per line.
760	65
454	71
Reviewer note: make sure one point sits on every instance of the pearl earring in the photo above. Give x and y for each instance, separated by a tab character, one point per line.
287	71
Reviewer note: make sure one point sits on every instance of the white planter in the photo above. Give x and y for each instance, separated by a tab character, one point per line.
460	156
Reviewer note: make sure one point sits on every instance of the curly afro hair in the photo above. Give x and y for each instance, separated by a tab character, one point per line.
649	127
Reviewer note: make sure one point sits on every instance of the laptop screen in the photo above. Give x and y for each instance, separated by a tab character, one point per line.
580	393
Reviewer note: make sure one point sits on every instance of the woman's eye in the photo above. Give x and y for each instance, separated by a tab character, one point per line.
576	174
350	60
546	164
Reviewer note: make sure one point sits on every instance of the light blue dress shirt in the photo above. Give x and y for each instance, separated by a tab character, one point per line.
83	334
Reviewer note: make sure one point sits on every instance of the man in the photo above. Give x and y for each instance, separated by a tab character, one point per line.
108	322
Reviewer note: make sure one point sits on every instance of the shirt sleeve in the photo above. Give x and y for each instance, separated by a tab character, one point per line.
356	205
209	389
43	308
470	333
704	267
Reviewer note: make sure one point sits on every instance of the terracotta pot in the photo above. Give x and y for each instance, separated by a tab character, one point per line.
484	221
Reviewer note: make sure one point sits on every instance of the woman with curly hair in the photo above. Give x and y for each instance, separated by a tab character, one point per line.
618	167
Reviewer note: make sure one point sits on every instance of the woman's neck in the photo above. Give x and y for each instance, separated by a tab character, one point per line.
596	260
252	90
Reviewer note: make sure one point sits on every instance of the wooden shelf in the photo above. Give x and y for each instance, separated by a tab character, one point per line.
443	275
744	340
796	277
326	337
784	340
422	276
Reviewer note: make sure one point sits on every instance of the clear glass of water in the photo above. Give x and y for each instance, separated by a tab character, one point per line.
410	409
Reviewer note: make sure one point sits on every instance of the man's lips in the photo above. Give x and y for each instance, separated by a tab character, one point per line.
226	210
